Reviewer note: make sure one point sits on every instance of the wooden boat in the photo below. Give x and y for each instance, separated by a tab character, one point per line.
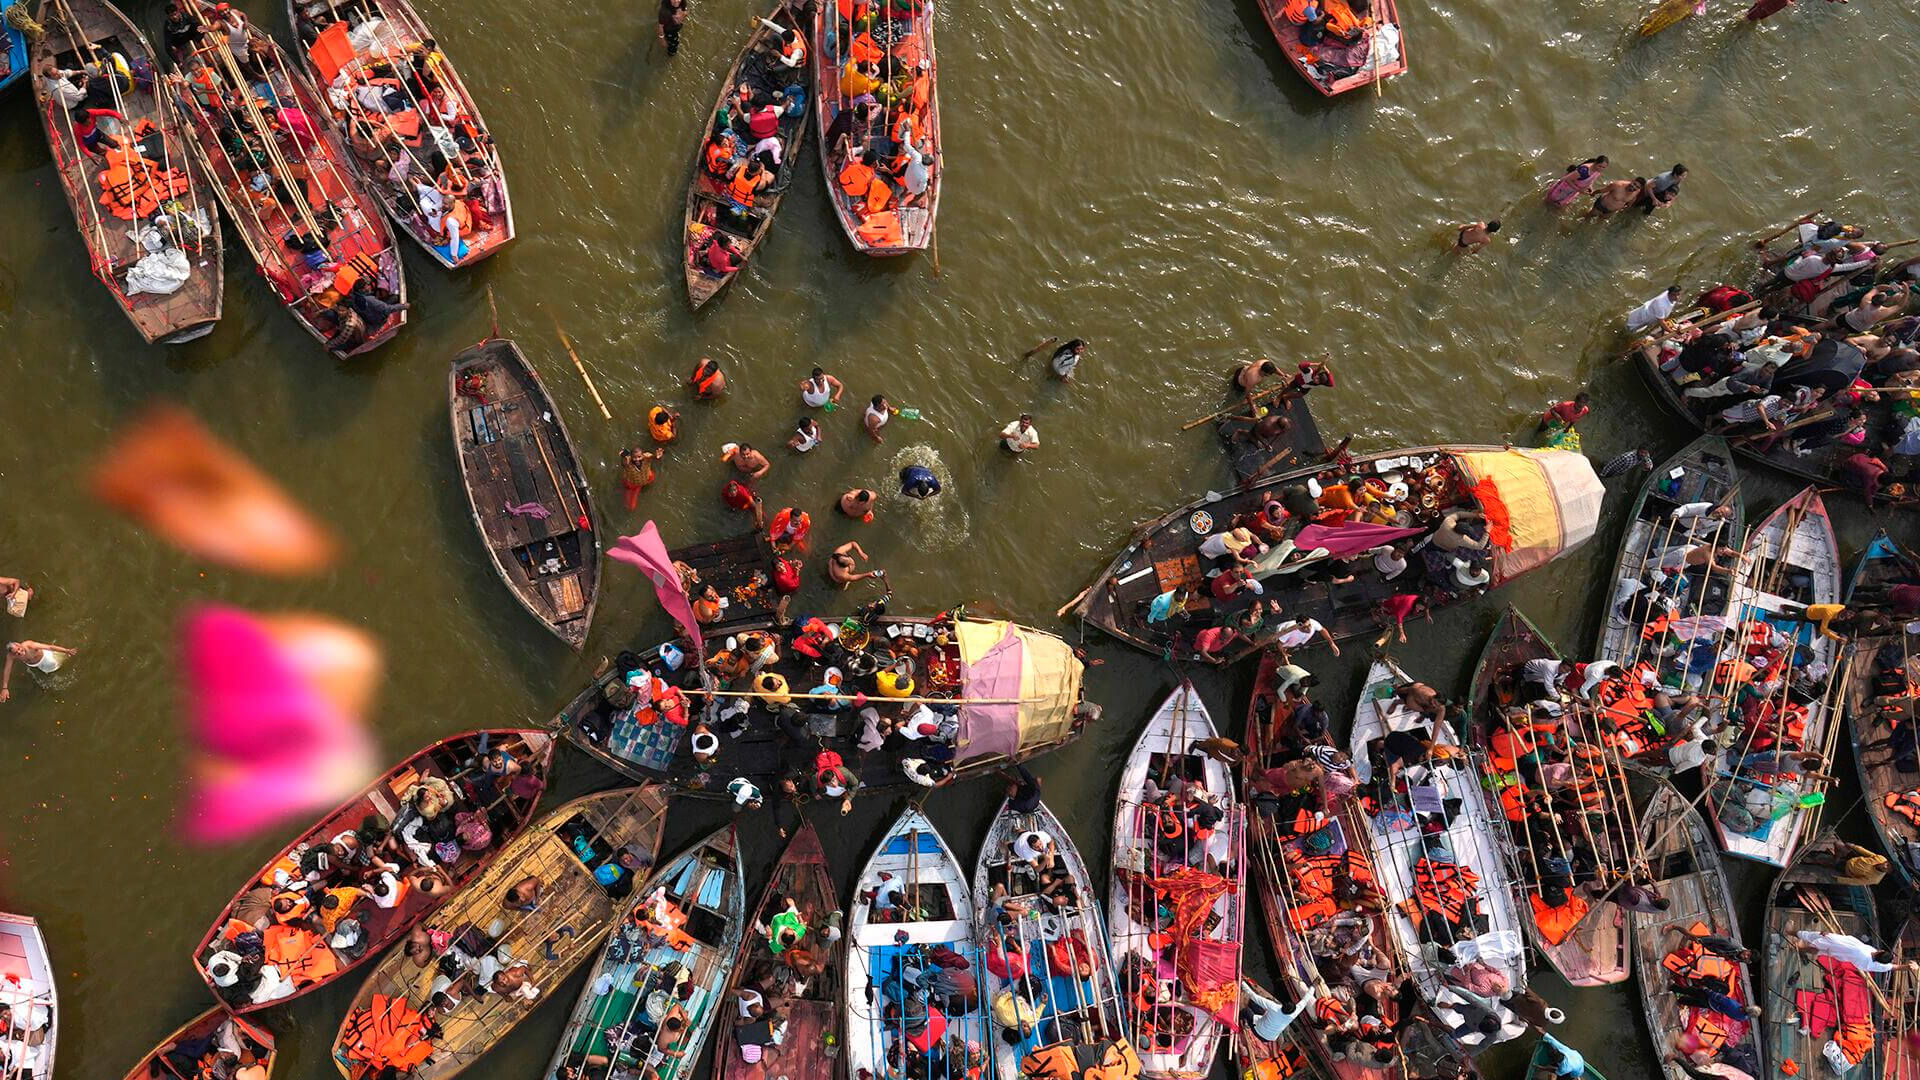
924	908
461	762
810	1009
612	834
1269	1059
1550	500
1594	950
1881	685
373	40
1684	868
708	206
1646	598
305	188
957	660
1792	975
515	453
1056	937
1820	465
1543	1065
161	176
668	960
1402	838
1178	1036
900	33
255	1047
27	989
1331	83
1790	560
1899	1054
1294	870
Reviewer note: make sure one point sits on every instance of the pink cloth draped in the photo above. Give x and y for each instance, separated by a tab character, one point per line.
646	551
992	729
1350	539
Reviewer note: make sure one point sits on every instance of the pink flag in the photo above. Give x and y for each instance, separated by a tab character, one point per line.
650	555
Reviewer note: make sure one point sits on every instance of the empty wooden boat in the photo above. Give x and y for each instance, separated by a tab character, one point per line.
316	235
201	1041
1881	688
1159	593
713	210
1037	908
983	660
1585	941
1684	869
1757	799
1302	859
525	485
1189	850
27	990
885	45
912	909
1691	499
143	206
672	953
792	960
497	775
1439	853
1825	1011
587	858
1334	68
414	134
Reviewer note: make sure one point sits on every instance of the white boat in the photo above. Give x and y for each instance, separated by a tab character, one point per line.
686	922
26	987
1054	936
910	906
1193	980
1790	561
1433	792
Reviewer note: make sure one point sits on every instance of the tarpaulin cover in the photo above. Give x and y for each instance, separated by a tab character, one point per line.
1349	539
1539	504
1832	365
1210	970
1001	660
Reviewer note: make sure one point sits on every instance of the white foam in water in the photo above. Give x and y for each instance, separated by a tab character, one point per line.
937	523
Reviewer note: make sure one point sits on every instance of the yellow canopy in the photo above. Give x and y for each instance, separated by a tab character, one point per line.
1002	660
1539	504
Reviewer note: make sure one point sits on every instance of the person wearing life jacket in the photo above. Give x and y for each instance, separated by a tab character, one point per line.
791	54
350	272
856	176
789	527
718	156
744	181
290	905
707	380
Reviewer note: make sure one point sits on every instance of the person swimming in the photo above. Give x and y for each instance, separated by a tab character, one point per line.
919	482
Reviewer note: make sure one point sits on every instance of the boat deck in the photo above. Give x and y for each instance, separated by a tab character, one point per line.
1253	458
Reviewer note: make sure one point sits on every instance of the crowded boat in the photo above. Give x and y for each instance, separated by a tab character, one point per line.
1338	45
143	204
414	136
1334	550
316	235
875	80
1811	367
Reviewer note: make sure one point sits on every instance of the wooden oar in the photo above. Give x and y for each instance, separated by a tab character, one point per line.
605	413
1762	243
1899	244
1028	355
1218	413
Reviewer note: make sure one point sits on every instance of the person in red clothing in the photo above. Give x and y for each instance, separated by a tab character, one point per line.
1566	414
1864	471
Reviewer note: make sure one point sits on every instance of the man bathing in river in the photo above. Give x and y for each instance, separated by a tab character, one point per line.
1476	235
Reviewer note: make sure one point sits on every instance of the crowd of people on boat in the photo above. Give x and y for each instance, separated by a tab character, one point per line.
746	157
881	138
322	904
1040	938
1816	362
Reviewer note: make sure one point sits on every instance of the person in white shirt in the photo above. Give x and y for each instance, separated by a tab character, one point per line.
385	889
1020	436
1389	560
60	85
1848	949
1654	311
877	416
1302	630
1034	846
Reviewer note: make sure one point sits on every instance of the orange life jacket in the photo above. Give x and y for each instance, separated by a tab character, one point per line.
1513	802
704	374
794	54
719	157
1904	803
362	265
1555	923
855	178
741	188
1509	744
1692	963
301	905
1444	888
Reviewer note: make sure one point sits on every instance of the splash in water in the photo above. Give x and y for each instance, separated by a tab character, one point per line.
938	523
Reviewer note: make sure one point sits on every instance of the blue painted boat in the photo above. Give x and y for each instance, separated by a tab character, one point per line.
16	49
